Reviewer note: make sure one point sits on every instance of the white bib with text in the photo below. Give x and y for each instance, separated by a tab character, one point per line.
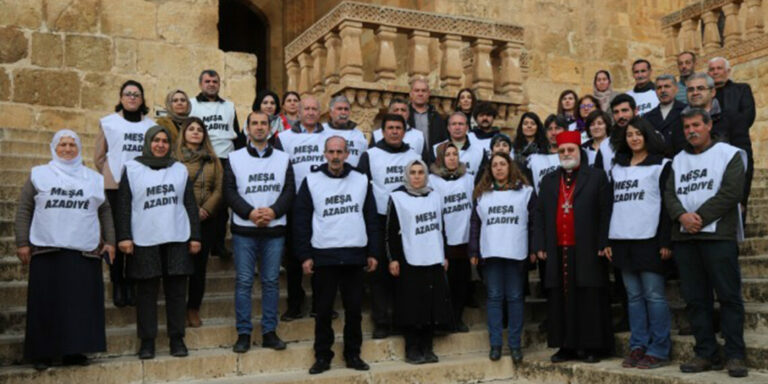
387	173
504	223
305	151
219	119
125	141
636	201
540	165
260	180
421	227
457	206
356	142
337	219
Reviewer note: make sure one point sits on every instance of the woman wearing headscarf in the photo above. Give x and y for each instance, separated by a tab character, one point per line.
414	241
196	153
159	227
603	90
120	139
63	226
178	108
500	235
451	181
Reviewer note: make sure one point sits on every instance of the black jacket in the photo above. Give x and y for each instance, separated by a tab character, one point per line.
243	209
671	127
437	129
737	99
592	212
303	209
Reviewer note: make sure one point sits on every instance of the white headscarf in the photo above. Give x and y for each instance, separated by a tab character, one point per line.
407	181
72	167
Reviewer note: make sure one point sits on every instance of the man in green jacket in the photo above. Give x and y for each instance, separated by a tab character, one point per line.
702	196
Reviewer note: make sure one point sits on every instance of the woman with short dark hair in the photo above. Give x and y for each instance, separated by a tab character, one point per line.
599	131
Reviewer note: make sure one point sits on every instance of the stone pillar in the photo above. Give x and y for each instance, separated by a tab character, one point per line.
732	29
351	57
418	54
754	24
450	65
319	58
332	46
711	34
670	45
482	71
511	74
305	78
292	68
386	60
688	35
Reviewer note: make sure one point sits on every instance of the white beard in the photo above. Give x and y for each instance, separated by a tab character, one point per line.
569	164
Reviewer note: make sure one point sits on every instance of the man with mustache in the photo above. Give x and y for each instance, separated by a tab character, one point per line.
644	91
665	118
702	196
571	232
686	64
337	235
341	125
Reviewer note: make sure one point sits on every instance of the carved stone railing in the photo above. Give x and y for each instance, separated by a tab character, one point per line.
712	28
370	53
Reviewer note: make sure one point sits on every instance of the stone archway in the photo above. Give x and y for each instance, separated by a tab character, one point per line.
244	28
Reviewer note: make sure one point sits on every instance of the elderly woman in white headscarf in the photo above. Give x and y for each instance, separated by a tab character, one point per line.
63	228
414	240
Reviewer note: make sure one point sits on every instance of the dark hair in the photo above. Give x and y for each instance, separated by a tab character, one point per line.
248	118
397	100
598	114
456	104
693	55
209	72
693	112
560	110
639	61
607	74
485	108
623	98
539	138
288	93
143	107
514	177
595	101
260	98
560	120
654	143
391	117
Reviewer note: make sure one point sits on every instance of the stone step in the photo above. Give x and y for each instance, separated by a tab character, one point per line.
754	266
752	246
755	316
222	362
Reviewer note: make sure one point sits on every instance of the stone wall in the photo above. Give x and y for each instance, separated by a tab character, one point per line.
755	72
62	61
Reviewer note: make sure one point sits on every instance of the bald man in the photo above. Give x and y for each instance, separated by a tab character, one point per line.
423	116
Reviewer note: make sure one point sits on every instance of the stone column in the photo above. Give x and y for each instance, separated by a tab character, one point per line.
332	46
292	68
351	57
482	71
386	60
305	78
418	54
688	35
319	58
732	29
670	45
450	65
754	24
711	34
511	75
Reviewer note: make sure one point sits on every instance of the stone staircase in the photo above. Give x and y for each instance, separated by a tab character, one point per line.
463	356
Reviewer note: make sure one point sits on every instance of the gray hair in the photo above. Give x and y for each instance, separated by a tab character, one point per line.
701	75
325	148
338	99
693	112
666	77
459	113
727	63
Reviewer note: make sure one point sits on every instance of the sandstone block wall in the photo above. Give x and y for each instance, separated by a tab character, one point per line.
62	61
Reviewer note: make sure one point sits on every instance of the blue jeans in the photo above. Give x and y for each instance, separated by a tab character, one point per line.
649	317
504	280
266	251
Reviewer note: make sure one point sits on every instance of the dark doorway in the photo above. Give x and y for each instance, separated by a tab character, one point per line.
244	29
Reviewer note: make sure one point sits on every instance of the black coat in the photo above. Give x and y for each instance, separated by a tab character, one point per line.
671	127
437	130
737	100
592	213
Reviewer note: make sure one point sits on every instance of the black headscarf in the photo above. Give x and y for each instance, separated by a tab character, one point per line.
150	160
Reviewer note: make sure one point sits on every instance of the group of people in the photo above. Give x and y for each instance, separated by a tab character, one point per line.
623	182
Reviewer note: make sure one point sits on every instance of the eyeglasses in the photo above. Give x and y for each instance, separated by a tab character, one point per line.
587	106
132	95
700	88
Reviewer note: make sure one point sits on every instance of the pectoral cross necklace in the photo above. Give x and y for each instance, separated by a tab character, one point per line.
567	205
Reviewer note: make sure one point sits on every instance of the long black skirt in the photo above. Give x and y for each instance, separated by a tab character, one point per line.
422	297
579	317
65	306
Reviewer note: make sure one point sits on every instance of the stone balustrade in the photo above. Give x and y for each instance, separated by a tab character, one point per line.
713	28
370	53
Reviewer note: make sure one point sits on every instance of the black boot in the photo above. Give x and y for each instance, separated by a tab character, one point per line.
178	348
147	349
243	343
271	340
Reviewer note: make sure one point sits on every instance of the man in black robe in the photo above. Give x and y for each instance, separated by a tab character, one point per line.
571	232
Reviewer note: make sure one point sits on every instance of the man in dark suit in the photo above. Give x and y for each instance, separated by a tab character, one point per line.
665	118
424	117
737	99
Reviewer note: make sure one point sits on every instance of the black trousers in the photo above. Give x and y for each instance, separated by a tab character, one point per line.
294	274
327	280
146	305
382	289
459	274
218	242
117	268
197	280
